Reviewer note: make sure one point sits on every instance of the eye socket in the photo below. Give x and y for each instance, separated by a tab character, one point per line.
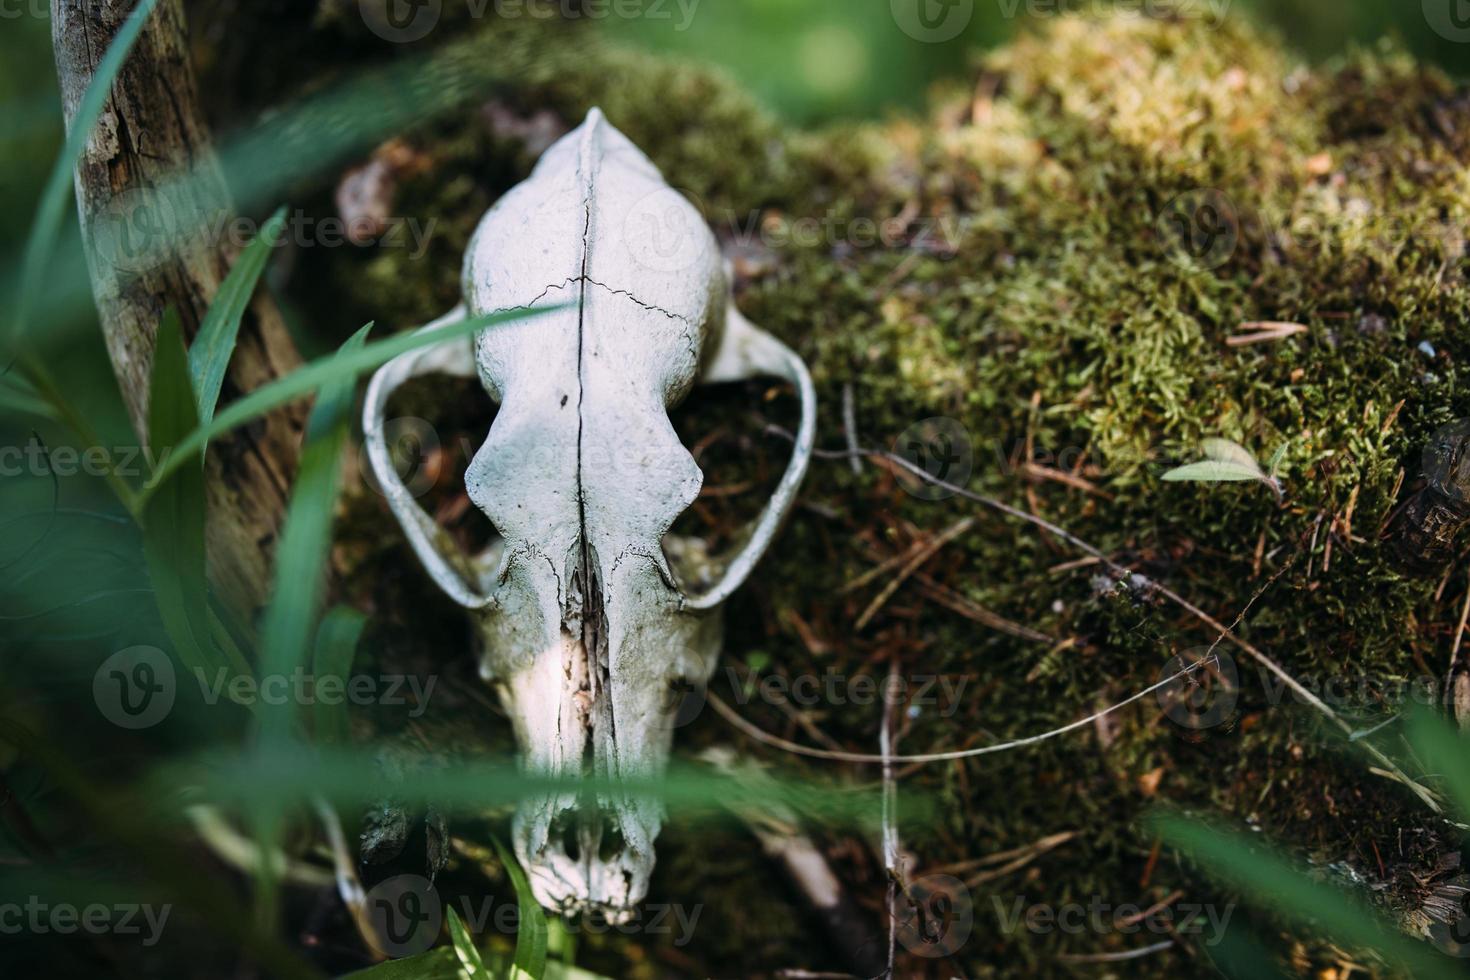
724	427
443	420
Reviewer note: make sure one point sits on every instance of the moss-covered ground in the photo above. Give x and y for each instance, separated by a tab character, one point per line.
1070	238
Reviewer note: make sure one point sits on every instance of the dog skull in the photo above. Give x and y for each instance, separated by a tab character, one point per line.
588	629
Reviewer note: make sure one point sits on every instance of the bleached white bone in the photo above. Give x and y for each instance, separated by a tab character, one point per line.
587	629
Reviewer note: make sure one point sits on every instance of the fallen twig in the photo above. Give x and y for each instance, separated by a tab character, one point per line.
892	862
849	426
928	551
1132	954
1264	332
1142	581
760	735
972	610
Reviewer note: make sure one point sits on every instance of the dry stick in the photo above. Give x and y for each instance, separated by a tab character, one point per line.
349	885
972	610
1460	630
878	571
891	859
1452	684
849	426
1153	909
926	552
1204	617
1027	852
1224	632
1132	954
760	735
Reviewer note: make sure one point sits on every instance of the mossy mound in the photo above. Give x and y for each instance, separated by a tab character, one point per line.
1057	258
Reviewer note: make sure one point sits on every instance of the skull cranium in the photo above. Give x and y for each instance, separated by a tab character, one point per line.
587	627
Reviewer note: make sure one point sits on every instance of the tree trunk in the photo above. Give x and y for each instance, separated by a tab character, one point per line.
150	133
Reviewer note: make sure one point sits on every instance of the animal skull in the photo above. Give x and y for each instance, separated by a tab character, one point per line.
587	627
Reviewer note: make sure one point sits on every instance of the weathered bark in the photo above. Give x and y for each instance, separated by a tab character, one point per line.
151	133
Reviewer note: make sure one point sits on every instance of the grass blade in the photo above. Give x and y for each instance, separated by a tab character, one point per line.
531	939
336	647
209	356
173	521
16	400
1273	881
1442	750
47	226
464	948
306	536
1241	955
436	964
350	777
312	376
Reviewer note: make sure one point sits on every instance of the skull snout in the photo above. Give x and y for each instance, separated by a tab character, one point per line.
584	857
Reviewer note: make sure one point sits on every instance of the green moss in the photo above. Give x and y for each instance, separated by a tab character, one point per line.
1039	295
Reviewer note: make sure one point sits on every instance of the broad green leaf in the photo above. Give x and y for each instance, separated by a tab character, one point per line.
306	536
1273	881
561	971
1214	471
531	939
336	646
173	521
502	966
209	356
464	948
267	826
52	209
312	376
1226	451
436	964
